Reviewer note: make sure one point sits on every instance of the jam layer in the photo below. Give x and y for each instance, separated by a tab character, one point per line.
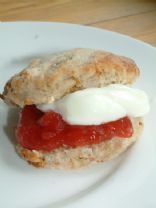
47	131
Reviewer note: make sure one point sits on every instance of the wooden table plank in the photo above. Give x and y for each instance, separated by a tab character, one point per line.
84	12
141	26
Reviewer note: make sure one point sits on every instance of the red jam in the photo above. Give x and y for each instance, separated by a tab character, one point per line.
48	131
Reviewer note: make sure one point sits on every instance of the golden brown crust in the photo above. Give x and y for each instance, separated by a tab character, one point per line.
44	81
73	158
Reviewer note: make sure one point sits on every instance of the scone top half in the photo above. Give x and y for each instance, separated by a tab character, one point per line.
45	81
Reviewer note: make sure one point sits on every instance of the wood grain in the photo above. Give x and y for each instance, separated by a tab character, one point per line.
136	18
141	26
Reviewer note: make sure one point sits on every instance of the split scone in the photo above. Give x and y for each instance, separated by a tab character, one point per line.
76	108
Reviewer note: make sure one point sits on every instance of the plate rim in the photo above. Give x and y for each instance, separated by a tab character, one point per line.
82	26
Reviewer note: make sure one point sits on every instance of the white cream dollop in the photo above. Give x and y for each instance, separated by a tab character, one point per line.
94	106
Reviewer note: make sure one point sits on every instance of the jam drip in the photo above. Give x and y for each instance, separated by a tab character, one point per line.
47	131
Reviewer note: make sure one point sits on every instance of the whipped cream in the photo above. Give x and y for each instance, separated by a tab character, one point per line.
94	106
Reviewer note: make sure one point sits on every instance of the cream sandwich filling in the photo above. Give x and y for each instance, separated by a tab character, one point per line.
94	106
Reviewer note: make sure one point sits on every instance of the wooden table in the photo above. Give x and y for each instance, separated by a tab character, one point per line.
136	18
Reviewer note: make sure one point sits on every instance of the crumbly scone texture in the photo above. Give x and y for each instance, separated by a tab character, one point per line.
46	80
74	158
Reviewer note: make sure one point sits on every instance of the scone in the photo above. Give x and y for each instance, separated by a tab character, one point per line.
76	108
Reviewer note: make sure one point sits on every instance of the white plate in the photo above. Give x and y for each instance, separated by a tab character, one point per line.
119	183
